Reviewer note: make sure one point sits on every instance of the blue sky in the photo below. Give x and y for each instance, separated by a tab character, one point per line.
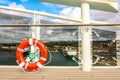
60	9
33	5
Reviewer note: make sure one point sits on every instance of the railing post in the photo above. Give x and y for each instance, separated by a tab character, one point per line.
86	38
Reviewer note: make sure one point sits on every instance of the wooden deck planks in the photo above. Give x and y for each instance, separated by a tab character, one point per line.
60	74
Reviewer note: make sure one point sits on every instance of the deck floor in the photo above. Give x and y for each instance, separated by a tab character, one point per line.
8	73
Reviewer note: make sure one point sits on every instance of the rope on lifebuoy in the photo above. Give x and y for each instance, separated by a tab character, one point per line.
25	63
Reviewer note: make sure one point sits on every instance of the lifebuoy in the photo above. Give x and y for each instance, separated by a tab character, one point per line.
23	63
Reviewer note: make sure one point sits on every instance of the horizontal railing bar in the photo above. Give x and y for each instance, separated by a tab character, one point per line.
48	15
56	25
40	13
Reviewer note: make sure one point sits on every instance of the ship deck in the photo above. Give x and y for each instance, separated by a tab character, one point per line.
60	73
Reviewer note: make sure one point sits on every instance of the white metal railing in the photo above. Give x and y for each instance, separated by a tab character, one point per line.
49	15
40	13
57	25
92	23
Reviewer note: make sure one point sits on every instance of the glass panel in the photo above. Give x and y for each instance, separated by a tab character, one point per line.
118	52
59	40
62	44
10	36
104	48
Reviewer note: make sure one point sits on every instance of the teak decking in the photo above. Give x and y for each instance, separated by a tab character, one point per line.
9	73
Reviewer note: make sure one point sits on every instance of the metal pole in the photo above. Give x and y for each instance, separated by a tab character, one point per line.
79	43
58	25
34	28
86	38
38	28
33	32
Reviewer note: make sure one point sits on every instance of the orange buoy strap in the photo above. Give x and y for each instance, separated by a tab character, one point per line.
39	65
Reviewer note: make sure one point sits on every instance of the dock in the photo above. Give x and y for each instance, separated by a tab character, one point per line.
60	73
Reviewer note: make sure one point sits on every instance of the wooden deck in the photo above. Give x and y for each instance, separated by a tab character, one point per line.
14	73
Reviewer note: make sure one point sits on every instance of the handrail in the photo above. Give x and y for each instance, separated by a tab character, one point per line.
56	25
40	13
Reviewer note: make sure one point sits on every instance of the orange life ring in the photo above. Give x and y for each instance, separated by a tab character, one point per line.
43	54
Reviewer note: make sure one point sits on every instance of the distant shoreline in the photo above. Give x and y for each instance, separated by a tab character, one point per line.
8	46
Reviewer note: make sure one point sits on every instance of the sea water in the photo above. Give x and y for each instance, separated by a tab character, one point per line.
8	58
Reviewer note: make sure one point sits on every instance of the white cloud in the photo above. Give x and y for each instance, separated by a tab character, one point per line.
16	6
71	12
53	5
62	6
66	11
23	0
48	4
106	16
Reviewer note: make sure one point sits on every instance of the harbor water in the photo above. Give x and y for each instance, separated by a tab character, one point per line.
8	58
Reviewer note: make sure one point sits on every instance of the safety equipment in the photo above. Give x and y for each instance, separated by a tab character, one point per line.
25	63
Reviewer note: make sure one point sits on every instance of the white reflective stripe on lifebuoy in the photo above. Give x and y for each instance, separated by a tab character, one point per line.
27	59
21	64
36	59
36	41
26	65
39	65
19	49
37	48
44	59
30	41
